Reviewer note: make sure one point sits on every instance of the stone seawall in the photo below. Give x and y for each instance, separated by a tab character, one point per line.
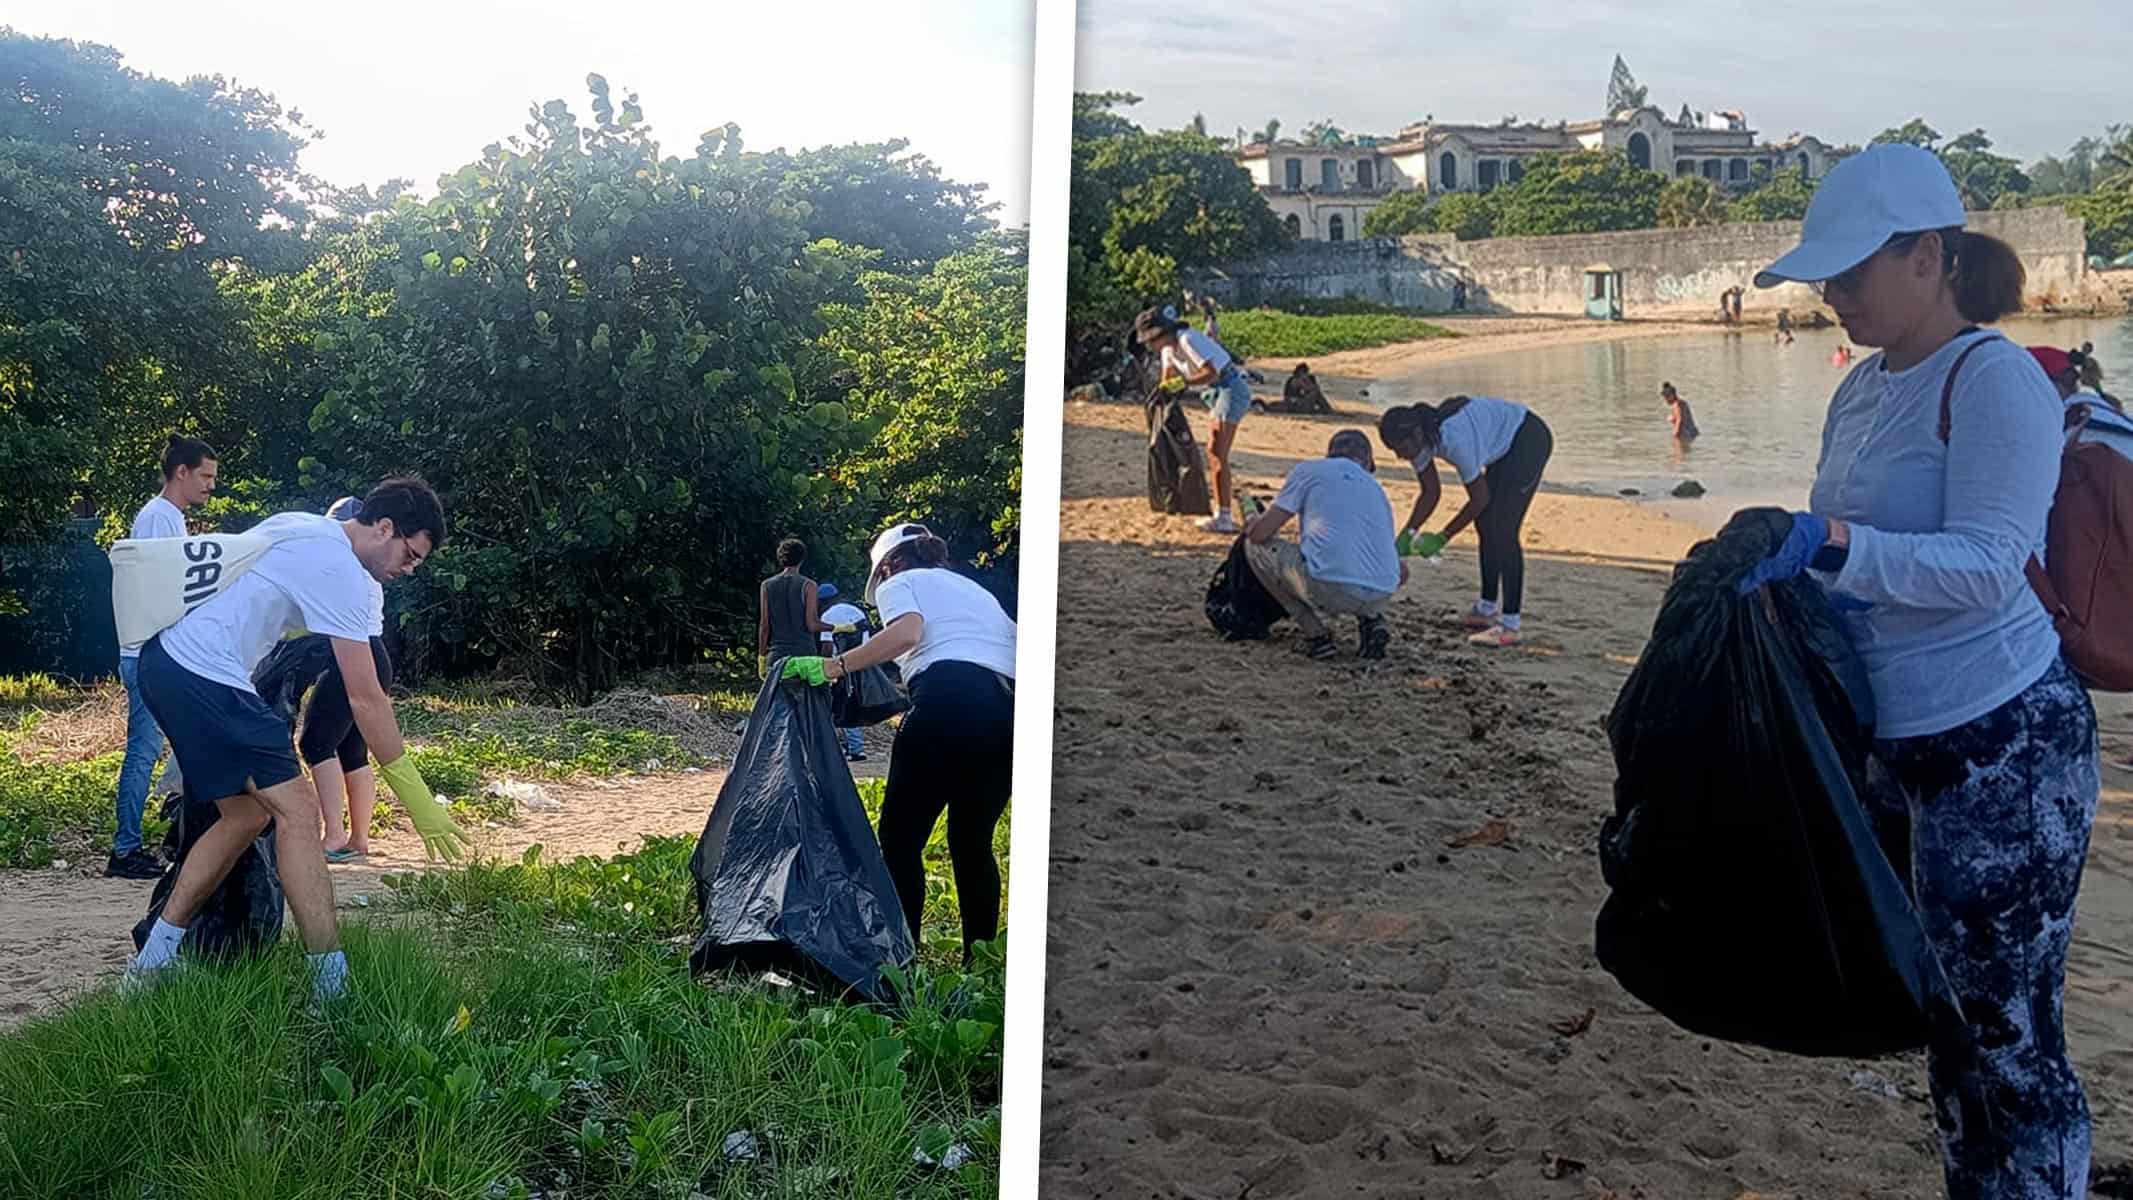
1665	272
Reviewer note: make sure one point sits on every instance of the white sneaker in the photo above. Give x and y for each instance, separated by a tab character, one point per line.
1219	523
138	979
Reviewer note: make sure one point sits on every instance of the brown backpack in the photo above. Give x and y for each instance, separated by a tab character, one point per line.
2088	542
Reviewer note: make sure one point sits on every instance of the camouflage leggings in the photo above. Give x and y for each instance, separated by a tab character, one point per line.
1998	814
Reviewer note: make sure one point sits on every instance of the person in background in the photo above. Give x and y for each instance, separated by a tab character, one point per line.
1725	307
1213	316
2088	417
1986	751
1193	359
844	620
1737	290
1678	414
331	745
1300	393
1500	450
786	624
188	479
1344	560
955	748
1784	329
2092	375
1458	294
1842	357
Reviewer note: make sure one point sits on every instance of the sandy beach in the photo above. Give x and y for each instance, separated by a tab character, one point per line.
1269	974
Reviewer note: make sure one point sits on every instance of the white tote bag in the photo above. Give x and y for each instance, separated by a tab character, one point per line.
155	581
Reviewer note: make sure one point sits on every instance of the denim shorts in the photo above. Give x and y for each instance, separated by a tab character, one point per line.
1230	398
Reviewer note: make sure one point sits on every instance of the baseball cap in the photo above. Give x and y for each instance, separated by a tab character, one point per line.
888	541
1863	202
826	591
1155	320
2056	362
347	508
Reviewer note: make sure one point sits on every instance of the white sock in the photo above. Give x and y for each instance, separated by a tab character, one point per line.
160	948
329	974
1509	621
1484	608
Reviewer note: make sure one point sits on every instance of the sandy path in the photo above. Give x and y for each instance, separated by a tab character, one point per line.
61	931
1268	975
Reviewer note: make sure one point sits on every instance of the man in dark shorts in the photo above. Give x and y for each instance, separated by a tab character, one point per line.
196	676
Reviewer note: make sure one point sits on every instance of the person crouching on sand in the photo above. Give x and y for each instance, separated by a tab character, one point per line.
1343	559
1678	414
1985	736
1499	449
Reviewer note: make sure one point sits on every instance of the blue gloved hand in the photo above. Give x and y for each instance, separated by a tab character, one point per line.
1790	559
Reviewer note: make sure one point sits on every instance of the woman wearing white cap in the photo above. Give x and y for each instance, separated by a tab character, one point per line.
1986	758
955	748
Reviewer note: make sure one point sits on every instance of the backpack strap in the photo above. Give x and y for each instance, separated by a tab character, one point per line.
1947	391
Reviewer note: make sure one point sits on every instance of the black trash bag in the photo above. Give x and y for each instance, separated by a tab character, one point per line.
290	669
788	874
1176	484
865	697
242	916
1238	605
1751	898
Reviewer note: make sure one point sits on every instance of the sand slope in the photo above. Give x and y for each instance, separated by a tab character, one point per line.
1269	975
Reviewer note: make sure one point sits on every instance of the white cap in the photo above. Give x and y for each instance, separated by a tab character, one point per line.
890	539
1863	202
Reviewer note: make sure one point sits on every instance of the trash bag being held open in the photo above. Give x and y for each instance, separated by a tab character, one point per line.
788	874
1176	482
1751	900
864	697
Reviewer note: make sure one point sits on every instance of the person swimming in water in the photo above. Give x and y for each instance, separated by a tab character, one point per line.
1678	415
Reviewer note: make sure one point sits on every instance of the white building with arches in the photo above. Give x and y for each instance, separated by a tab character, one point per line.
1323	193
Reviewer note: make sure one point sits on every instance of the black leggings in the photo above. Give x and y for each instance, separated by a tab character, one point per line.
329	724
1512	481
955	750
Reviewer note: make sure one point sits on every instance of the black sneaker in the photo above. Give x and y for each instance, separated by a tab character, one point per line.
1373	637
1320	647
849	756
135	864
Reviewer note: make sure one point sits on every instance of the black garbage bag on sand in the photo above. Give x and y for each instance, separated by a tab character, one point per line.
788	874
1238	605
1176	483
1751	900
243	915
865	697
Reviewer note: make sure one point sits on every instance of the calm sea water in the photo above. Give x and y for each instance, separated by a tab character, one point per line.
1759	405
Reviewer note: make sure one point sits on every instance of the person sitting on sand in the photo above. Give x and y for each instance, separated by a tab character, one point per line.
1343	560
1300	393
1677	414
1499	449
1193	359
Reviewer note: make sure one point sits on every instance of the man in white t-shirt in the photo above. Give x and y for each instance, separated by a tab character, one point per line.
197	678
842	617
1343	560
1197	360
188	479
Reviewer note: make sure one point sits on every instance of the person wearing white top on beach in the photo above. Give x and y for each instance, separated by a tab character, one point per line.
189	469
1197	360
1344	559
1500	450
955	748
197	678
1985	747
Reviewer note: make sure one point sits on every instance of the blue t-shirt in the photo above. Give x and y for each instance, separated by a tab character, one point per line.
1344	524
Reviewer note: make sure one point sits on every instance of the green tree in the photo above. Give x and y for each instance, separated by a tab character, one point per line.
1784	198
2109	218
123	200
2069	176
933	366
878	195
1914	132
1470	216
2114	162
1401	213
603	359
1691	201
1980	175
1586	191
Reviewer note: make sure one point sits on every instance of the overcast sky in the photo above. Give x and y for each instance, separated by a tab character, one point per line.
2036	74
417	89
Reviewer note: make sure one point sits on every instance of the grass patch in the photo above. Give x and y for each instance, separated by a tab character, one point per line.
543	1035
1309	330
34	688
51	810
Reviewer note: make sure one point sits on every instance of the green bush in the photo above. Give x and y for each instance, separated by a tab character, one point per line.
1271	333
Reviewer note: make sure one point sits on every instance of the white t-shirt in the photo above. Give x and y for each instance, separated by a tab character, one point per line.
1477	435
1194	350
841	613
963	621
158	518
310	581
1344	524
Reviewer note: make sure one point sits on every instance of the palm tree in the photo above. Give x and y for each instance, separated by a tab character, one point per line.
1273	130
2114	165
1691	201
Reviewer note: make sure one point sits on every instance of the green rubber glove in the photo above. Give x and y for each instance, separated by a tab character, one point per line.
441	836
1405	543
1430	545
807	667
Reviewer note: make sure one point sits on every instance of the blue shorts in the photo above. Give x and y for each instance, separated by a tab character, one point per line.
1230	398
223	738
